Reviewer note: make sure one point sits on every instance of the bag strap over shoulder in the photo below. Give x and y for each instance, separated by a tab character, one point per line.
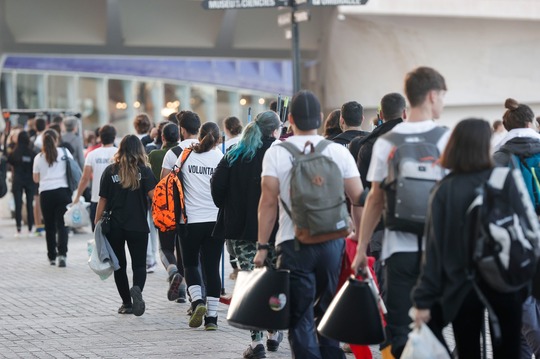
431	136
177	150
497	178
321	146
291	148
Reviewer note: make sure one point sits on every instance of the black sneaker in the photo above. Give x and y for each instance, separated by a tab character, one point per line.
199	310
62	261
210	323
273	344
138	302
174	285
125	310
182	293
255	353
52	262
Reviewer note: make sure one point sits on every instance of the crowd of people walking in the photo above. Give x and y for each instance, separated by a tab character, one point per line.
409	186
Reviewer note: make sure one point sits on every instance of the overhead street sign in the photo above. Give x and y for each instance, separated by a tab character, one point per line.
242	4
337	2
299	16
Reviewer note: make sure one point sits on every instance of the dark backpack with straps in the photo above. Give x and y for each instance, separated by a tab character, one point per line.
530	170
318	208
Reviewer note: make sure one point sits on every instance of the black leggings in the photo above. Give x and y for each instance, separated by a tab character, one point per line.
53	207
29	190
137	243
196	240
170	250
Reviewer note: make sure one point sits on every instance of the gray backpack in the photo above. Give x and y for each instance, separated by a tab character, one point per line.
318	208
412	173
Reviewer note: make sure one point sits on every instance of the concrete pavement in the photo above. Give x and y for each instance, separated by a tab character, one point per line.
52	312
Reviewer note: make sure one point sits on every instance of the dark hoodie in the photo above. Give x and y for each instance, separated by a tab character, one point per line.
520	146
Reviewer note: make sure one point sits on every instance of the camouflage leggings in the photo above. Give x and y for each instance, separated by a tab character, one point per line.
245	251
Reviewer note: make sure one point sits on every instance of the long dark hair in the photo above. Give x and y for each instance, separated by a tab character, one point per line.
208	138
50	142
468	149
23	146
130	156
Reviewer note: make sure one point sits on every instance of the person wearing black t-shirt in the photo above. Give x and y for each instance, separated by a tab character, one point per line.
352	115
125	187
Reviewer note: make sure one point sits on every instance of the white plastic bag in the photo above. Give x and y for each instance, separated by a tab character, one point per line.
76	215
103	269
423	344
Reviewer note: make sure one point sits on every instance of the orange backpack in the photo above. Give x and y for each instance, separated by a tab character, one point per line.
168	201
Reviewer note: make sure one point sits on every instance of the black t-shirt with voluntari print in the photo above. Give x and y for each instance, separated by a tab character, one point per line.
128	207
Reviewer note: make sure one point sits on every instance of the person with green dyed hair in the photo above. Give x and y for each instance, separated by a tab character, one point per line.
236	188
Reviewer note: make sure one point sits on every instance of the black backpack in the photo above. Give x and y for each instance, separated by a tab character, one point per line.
3	172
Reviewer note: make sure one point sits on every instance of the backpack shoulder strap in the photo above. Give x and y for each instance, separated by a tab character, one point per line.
322	145
431	136
185	154
177	150
291	148
497	178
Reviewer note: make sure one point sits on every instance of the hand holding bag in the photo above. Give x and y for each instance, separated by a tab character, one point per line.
260	300
106	222
353	315
77	215
73	171
423	344
102	269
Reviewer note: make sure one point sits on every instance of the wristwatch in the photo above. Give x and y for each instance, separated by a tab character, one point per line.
262	246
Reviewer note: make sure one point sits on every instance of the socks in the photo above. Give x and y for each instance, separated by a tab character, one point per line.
273	335
211	306
195	293
254	344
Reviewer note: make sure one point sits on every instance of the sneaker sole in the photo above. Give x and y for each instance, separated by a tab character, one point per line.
138	303
172	293
210	327
272	345
196	319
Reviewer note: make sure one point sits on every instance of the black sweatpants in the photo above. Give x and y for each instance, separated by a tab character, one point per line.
197	242
137	243
30	190
53	207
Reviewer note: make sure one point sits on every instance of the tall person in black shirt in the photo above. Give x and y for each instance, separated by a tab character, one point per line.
125	187
22	160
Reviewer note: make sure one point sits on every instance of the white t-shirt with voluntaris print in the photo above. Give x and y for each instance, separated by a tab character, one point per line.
277	163
99	159
395	241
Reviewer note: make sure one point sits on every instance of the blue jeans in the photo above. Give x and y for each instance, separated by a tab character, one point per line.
530	329
314	276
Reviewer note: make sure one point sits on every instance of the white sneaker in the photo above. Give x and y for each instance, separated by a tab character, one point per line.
151	268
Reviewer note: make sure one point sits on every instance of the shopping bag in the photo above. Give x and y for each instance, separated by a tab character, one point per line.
353	315
260	300
77	215
423	344
103	269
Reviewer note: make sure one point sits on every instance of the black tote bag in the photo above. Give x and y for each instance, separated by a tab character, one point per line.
260	300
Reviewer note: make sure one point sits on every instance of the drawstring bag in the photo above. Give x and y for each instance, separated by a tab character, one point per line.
260	300
353	315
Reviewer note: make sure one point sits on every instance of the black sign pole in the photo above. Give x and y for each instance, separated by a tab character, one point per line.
295	49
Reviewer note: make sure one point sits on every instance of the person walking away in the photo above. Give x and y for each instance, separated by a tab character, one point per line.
71	124
94	165
402	244
171	256
331	125
445	293
125	187
522	142
196	239
236	190
22	161
314	268
49	171
350	121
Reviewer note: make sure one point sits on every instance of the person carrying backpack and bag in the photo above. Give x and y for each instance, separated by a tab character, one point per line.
520	149
402	171
466	268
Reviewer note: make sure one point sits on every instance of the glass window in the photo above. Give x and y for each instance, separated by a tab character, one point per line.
58	92
30	92
89	103
203	102
6	90
118	106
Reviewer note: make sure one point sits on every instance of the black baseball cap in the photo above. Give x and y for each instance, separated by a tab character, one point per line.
306	111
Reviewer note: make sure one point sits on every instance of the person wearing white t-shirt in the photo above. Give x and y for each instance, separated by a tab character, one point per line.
425	89
49	171
196	239
314	269
95	163
189	123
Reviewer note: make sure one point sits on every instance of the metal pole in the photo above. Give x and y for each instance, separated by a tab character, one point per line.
295	49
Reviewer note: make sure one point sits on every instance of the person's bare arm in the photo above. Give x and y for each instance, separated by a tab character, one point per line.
353	189
83	183
373	210
102	203
164	172
268	206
